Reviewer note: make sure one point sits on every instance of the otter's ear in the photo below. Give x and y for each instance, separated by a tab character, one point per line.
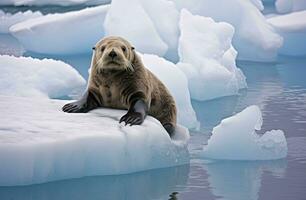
93	48
133	48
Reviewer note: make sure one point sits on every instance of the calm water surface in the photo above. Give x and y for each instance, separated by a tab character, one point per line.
280	91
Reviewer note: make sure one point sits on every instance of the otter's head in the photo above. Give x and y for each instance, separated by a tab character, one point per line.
113	53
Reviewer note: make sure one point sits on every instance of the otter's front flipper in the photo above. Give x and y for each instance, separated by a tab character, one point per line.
136	113
85	104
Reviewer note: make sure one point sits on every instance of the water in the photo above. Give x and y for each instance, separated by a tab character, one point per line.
280	91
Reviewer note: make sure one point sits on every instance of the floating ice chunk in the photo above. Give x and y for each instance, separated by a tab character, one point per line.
176	82
292	27
136	26
29	77
208	58
235	139
40	143
71	33
52	2
8	19
254	38
165	18
286	6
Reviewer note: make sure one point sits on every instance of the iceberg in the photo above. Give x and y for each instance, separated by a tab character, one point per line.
71	33
235	138
47	78
165	18
40	143
292	27
207	57
8	19
287	6
254	38
52	2
136	26
177	84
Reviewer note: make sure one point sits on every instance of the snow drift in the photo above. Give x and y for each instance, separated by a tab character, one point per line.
207	57
29	77
40	143
235	139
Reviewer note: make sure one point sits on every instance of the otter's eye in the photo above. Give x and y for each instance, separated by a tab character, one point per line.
102	49
123	49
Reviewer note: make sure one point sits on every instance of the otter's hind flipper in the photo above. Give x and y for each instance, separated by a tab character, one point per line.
169	128
85	104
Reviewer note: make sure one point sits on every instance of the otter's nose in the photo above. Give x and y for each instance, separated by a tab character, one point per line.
112	54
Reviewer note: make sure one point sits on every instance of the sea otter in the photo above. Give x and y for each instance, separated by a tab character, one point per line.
118	79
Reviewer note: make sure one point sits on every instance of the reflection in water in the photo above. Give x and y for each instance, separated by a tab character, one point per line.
154	184
237	180
213	111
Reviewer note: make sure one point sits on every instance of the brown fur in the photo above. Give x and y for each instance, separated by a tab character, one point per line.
114	84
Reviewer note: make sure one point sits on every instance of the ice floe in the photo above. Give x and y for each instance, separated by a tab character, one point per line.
286	6
235	138
40	143
254	38
292	27
207	57
8	19
29	77
177	84
66	33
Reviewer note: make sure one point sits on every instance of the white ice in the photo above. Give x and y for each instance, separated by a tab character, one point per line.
165	18
40	143
286	6
254	38
136	26
235	138
52	2
177	84
8	19
71	33
207	57
292	27
29	77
